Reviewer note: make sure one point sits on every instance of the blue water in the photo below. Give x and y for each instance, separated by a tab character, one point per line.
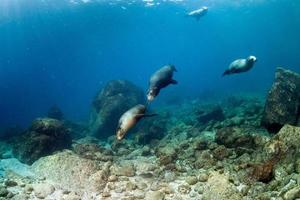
59	52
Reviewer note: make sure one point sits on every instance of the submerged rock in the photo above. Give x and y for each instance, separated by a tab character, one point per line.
152	129
42	190
234	137
283	101
73	172
219	187
124	168
110	103
43	138
216	113
3	191
155	195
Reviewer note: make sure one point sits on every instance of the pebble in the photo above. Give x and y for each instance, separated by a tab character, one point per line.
42	190
3	191
139	194
112	178
11	183
184	189
170	177
154	195
72	196
130	186
10	195
203	177
199	188
191	180
292	194
141	185
28	189
106	194
155	186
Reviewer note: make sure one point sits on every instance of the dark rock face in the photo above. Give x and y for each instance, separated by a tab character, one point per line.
283	101
110	103
215	113
43	138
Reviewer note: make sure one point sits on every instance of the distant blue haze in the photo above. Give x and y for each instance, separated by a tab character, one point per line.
62	53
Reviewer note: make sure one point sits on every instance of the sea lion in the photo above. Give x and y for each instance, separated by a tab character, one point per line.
160	79
240	65
197	14
130	118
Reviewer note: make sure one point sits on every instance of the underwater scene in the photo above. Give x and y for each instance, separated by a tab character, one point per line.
150	99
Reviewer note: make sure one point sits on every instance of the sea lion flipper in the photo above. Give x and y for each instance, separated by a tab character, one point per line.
139	116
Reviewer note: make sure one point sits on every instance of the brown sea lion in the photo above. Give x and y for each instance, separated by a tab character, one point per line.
130	118
160	79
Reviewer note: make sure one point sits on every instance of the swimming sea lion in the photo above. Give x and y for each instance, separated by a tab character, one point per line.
198	13
160	79
130	118
240	65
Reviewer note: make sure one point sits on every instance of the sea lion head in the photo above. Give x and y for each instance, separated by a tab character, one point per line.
205	8
120	133
252	59
152	93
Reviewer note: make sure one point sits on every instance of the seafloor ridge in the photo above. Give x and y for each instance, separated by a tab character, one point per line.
239	147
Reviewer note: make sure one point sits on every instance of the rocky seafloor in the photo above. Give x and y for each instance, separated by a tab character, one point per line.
238	147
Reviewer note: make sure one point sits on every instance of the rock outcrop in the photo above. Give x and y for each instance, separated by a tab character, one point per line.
110	103
283	101
73	172
234	137
215	113
219	187
44	137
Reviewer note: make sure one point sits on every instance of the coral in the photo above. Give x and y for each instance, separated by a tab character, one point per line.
43	138
282	104
110	103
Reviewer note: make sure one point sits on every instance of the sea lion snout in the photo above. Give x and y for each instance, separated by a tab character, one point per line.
152	93
120	134
252	58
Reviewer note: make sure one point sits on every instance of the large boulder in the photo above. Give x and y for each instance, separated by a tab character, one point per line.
110	103
44	137
73	172
283	101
